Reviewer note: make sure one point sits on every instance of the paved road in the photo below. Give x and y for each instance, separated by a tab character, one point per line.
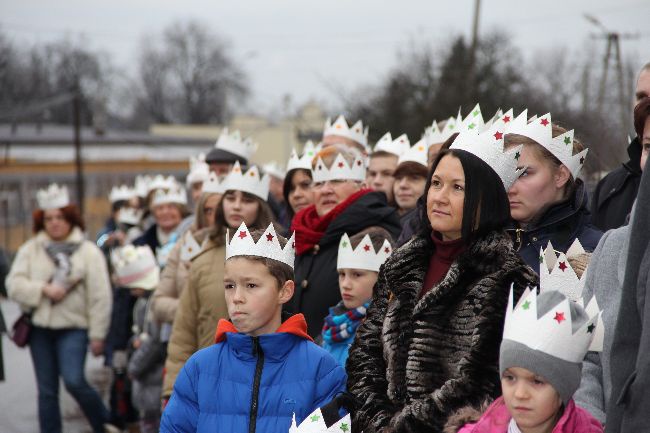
18	400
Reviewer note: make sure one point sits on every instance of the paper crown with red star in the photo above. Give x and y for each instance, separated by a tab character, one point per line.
212	184
340	169
340	127
416	153
363	256
540	130
268	246
249	182
315	423
556	272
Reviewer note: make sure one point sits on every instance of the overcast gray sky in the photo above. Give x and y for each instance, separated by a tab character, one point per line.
306	48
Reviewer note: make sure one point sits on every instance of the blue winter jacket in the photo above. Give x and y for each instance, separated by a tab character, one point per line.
339	350
562	223
248	384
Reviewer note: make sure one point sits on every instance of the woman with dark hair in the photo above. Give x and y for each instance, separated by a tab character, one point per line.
341	205
202	303
548	202
297	189
430	341
62	279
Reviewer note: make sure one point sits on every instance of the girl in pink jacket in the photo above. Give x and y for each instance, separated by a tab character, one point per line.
545	338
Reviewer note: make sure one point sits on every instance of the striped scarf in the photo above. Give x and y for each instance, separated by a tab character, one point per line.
342	323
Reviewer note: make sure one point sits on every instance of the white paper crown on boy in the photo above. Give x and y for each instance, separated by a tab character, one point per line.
121	193
190	248
303	162
249	182
233	143
398	146
363	256
315	423
212	184
130	215
174	194
161	182
272	168
53	197
199	170
552	332
489	147
340	169
541	131
340	127
416	153
242	244
135	267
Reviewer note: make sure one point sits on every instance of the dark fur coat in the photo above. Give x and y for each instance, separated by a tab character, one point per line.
415	361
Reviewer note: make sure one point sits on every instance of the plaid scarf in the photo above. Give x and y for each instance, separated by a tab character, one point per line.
342	323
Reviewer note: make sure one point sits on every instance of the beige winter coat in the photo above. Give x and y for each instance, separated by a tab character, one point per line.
201	305
86	306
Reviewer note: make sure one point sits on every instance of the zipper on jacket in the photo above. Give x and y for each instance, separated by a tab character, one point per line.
257	351
518	233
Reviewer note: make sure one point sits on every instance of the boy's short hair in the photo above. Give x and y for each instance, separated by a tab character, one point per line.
280	271
377	235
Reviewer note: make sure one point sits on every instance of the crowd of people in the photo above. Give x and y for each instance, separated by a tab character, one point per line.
461	283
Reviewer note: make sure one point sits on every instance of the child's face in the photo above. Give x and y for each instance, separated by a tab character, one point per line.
356	286
530	399
252	295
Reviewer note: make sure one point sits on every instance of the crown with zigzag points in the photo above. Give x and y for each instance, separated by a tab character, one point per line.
161	182
268	245
174	194
340	127
489	147
53	197
303	162
190	248
540	130
272	168
315	423
396	147
556	272
130	215
552	332
436	135
340	169
249	182
135	267
416	153
233	143
121	193
141	185
363	256
199	170
212	184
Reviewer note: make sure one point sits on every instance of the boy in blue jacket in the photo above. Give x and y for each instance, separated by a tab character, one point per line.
261	370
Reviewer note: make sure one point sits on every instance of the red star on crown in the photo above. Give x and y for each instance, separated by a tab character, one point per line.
242	234
506	119
366	247
387	250
340	164
358	162
269	237
562	266
544	122
498	135
559	317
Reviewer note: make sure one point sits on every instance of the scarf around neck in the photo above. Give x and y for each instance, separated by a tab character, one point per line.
310	227
342	323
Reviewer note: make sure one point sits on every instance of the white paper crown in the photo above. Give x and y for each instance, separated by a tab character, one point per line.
363	256
473	122
398	146
541	131
119	193
212	184
273	169
556	273
199	170
553	332
135	267
190	248
315	423
54	197
340	169
233	143
129	215
249	182
161	182
488	146
242	244
174	194
417	153
141	186
340	127
303	162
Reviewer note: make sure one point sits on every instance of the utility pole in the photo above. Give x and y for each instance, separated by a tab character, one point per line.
471	67
76	115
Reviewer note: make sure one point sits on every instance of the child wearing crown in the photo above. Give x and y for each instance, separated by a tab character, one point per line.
262	370
545	339
358	262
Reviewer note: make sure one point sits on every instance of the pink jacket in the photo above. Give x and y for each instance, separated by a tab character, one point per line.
496	419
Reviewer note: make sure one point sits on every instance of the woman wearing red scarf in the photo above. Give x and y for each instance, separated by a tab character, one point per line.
341	205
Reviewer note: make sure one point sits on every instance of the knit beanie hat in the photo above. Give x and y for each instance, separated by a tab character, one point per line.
548	350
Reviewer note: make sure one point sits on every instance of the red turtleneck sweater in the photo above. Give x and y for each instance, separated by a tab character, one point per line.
444	254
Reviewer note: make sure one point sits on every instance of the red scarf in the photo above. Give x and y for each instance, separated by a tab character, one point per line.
310	228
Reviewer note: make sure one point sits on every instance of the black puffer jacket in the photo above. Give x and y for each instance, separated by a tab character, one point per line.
317	286
415	361
616	192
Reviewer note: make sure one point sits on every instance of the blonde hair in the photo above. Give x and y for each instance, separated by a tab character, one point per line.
200	221
328	154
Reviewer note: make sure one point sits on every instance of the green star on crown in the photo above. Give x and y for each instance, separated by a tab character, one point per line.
344	427
567	140
476	113
344	244
471	126
526	305
314	418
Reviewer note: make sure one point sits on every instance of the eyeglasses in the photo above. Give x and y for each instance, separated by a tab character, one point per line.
332	183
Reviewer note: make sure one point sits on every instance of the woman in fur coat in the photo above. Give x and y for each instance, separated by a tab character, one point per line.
430	342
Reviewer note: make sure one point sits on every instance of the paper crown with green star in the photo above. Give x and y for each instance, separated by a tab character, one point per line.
315	423
553	331
268	246
540	130
363	256
302	162
488	145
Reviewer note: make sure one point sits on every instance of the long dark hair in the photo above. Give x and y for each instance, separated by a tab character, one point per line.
486	207
264	218
286	189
